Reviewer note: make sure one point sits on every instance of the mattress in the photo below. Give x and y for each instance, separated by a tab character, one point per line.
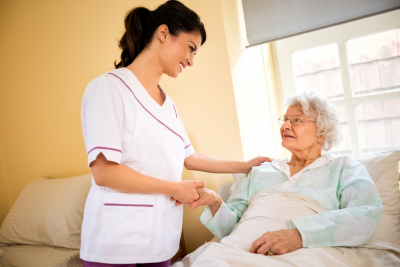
40	256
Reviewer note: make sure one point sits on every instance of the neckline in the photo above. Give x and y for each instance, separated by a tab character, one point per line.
282	165
163	93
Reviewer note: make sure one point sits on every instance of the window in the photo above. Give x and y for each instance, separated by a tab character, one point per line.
357	67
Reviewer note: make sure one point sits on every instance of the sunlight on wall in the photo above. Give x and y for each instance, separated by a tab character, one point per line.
250	85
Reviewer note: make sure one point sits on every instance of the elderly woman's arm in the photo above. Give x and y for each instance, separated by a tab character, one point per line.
218	217
355	221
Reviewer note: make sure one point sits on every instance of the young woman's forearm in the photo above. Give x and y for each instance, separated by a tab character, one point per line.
202	162
124	179
205	163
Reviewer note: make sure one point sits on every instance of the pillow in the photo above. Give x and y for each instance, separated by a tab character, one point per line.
48	212
383	168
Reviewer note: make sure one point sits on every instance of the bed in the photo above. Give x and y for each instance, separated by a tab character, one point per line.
382	249
26	255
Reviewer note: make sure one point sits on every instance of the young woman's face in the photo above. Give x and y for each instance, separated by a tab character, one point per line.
179	52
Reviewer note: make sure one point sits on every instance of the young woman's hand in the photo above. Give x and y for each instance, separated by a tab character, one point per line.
207	197
187	191
256	162
277	242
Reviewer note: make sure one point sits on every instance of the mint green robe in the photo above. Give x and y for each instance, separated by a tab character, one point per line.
341	184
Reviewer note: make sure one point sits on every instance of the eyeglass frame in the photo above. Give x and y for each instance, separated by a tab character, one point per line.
283	119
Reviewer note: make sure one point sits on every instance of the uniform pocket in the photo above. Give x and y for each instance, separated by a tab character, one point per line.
127	218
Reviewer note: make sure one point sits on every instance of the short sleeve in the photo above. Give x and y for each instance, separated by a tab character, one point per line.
102	120
189	150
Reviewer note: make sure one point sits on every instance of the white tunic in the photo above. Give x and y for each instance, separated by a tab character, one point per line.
122	121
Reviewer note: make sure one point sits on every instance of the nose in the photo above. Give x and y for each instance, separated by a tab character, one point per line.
287	125
190	61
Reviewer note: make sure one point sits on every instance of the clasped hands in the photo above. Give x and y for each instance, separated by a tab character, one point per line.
196	194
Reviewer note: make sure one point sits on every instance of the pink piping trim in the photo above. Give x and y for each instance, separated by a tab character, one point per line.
188	146
176	115
146	108
101	147
130	205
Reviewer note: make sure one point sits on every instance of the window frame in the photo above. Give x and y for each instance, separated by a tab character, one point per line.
339	34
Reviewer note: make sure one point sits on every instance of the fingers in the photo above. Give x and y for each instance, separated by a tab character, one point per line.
257	244
277	242
266	159
200	184
263	249
194	205
187	191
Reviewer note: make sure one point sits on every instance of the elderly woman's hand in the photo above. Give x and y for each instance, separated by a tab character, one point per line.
277	242
207	197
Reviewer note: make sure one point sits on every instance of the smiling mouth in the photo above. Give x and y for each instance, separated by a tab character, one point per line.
289	136
182	66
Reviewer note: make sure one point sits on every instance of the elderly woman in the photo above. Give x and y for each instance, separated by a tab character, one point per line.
313	200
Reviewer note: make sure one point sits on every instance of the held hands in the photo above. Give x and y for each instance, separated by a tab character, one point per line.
277	242
186	192
207	197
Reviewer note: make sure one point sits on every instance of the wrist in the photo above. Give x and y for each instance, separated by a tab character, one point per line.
217	201
246	167
171	188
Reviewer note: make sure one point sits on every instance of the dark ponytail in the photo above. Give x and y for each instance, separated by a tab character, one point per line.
141	24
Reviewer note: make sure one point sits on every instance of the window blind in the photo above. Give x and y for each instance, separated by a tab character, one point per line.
269	20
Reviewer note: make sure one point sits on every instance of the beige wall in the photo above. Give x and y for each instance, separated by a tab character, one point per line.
4	196
49	52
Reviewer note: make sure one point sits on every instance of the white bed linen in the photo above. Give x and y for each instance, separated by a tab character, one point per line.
221	255
40	256
271	212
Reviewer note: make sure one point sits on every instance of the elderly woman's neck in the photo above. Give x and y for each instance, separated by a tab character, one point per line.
300	160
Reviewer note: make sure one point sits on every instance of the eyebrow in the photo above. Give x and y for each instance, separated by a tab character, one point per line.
297	115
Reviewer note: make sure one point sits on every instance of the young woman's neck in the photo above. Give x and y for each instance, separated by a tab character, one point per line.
147	69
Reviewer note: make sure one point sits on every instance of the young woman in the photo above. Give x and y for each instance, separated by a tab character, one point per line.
137	145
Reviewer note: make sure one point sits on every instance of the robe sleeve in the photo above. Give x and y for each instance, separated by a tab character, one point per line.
229	214
355	220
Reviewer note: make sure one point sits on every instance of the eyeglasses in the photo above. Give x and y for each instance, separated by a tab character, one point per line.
293	121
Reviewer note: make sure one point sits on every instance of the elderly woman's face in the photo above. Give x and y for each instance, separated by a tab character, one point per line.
302	137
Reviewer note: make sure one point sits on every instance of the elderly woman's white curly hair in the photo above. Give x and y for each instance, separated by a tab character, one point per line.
313	104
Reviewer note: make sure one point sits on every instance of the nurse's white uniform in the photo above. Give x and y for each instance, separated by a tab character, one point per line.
122	121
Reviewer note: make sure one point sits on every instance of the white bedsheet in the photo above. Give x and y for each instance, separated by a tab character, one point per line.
220	255
40	256
271	212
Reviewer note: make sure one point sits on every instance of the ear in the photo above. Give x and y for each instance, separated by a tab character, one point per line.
321	139
162	33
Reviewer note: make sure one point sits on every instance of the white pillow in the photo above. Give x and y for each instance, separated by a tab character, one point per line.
48	212
383	168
